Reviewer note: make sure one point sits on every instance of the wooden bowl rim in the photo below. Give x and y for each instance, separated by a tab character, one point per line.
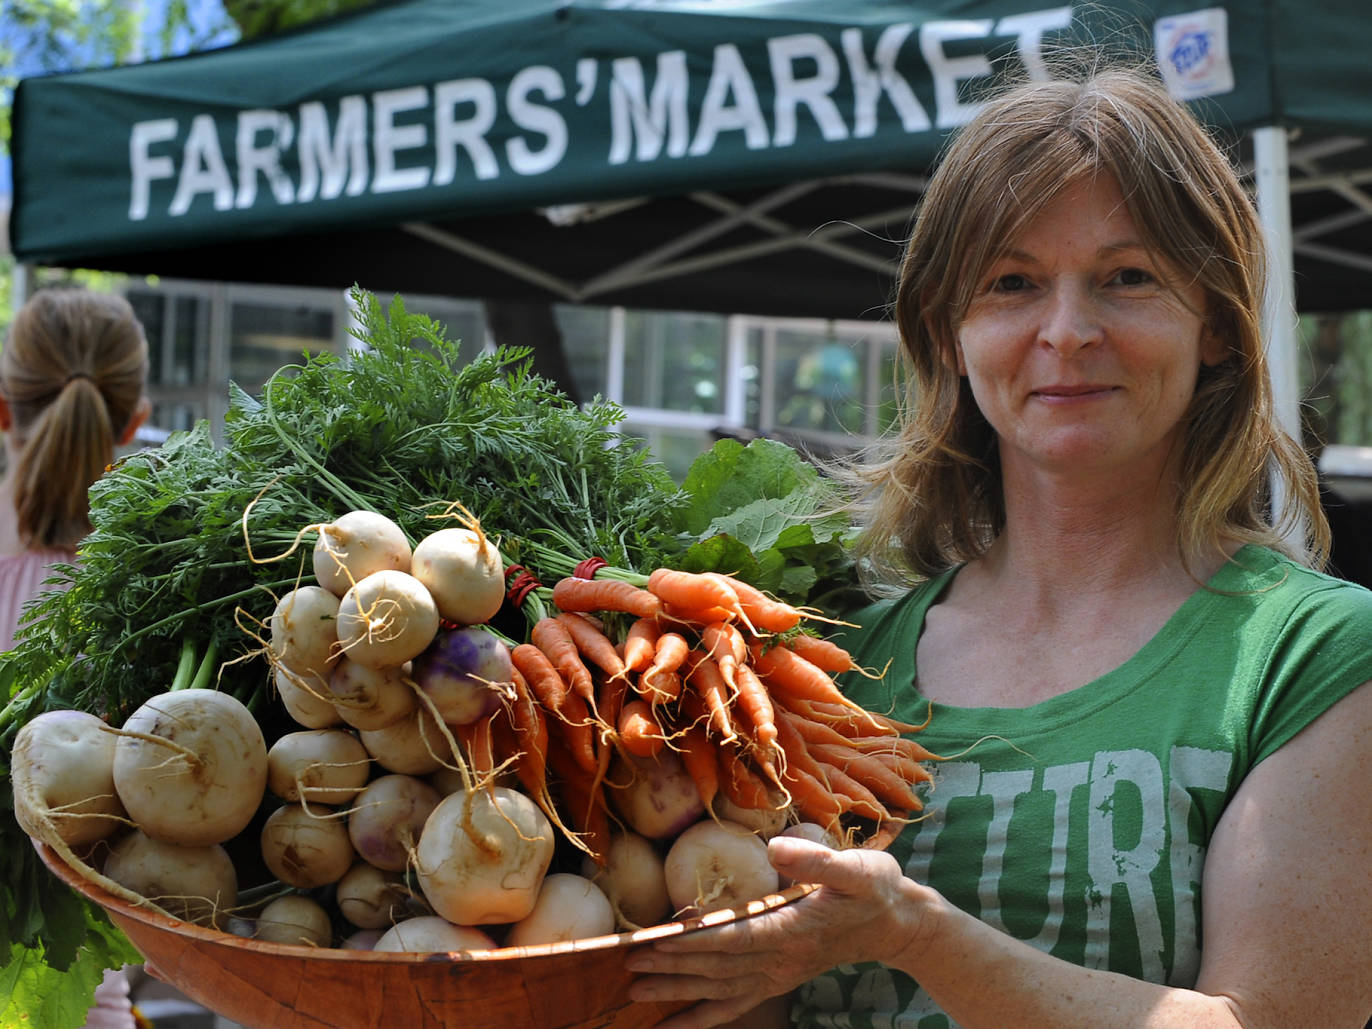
154	919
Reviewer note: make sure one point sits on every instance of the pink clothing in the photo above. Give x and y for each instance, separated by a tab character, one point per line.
112	1008
22	577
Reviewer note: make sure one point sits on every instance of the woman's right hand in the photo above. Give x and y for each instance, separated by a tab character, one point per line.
865	910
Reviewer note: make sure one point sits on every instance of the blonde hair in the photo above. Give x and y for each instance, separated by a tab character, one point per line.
930	494
73	373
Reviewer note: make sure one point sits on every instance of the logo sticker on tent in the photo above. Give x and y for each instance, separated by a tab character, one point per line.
1193	53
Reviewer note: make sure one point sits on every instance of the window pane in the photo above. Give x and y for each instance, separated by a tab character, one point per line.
585	340
263	337
189	343
674	448
819	383
674	361
151	311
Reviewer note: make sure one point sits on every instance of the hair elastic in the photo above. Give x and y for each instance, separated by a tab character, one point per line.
78	375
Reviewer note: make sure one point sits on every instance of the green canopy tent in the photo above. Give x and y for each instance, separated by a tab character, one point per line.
728	155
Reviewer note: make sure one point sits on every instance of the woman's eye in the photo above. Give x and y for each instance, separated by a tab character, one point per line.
1011	283
1133	277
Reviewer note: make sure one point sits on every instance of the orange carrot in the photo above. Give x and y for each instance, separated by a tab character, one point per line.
543	680
531	731
692	592
698	757
582	800
661	682
726	645
785	671
760	611
850	719
740	783
812	798
478	746
551	636
578	731
852	795
708	683
592	644
825	655
640	643
576	594
755	704
893	791
639	730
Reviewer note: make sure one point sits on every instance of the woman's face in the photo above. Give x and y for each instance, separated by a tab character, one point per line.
1078	353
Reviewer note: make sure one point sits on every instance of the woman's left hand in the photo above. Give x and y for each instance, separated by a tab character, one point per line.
864	910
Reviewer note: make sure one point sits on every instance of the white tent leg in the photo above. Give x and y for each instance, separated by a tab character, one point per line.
1270	170
21	284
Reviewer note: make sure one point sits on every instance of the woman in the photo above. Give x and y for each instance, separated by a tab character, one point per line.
1156	717
71	388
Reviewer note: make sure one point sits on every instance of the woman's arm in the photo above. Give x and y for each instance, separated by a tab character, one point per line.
1287	905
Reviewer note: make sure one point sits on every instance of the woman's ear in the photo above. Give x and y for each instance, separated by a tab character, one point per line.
6	419
136	420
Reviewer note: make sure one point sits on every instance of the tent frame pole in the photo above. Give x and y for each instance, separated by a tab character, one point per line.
1271	172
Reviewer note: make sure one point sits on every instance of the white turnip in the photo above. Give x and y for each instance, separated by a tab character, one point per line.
429	934
306	698
363	939
415	745
464	672
714	865
373	898
634	880
386	819
355	545
569	907
296	920
656	797
197	884
304	631
371	698
62	771
325	766
387	618
464	571
483	855
191	767
765	821
306	845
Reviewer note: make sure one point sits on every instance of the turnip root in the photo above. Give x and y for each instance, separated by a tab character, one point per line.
295	920
363	939
656	797
191	767
197	884
429	934
306	698
371	698
304	631
325	766
463	672
765	821
634	880
387	817
306	845
387	618
62	770
568	907
464	571
483	855
415	745
355	545
714	865
372	898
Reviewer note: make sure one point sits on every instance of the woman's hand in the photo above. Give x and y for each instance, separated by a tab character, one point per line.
865	910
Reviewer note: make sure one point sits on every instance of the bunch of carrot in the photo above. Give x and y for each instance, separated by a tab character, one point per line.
715	670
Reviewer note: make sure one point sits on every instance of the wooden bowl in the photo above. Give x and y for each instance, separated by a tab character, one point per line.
582	983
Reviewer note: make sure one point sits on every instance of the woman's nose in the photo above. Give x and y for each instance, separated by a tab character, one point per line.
1071	319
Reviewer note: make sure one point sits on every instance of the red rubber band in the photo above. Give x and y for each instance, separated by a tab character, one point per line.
587	569
525	582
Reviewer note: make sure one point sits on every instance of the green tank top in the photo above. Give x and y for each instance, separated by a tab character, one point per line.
1080	824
